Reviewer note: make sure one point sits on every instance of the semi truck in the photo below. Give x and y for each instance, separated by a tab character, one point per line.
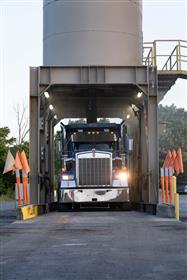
94	165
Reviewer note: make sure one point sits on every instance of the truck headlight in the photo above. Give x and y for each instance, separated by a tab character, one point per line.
67	177
123	176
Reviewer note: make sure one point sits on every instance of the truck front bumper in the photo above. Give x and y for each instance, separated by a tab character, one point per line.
94	195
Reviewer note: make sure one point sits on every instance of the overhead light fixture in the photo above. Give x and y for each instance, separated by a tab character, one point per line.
128	116
46	94
133	106
139	94
51	107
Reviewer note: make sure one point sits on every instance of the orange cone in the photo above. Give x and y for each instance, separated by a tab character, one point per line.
176	164
180	160
18	164
167	159
24	162
170	161
173	159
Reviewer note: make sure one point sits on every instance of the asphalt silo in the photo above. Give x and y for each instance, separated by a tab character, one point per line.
80	33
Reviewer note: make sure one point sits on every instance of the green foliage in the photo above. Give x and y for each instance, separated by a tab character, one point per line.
173	133
82	120
103	120
24	146
7	180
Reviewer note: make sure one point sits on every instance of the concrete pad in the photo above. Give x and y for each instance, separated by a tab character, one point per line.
94	245
165	211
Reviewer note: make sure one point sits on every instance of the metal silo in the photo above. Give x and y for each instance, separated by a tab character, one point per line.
92	33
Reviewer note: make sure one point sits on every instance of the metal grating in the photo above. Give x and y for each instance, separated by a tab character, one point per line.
94	172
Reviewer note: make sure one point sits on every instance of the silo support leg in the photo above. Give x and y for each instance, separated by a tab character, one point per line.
144	158
152	150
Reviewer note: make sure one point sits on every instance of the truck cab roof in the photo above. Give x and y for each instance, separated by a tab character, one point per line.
114	127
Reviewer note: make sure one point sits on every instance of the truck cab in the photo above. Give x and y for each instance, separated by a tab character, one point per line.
94	164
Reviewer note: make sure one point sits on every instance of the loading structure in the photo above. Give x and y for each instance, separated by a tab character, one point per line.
113	89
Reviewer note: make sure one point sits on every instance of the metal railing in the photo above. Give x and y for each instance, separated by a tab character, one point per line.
167	55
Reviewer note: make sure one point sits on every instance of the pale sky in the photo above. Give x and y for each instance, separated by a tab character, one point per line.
21	47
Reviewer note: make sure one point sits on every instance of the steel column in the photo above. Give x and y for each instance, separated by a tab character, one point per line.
34	150
153	150
34	137
144	154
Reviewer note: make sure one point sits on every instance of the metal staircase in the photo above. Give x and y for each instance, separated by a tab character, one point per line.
170	66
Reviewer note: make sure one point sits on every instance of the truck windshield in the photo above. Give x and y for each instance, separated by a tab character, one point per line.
80	147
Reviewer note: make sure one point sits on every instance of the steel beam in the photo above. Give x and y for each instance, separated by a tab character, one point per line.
93	75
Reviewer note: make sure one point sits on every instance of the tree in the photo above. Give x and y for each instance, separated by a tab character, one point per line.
7	180
22	124
173	133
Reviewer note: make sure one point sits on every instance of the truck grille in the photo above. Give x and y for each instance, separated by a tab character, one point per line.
94	172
